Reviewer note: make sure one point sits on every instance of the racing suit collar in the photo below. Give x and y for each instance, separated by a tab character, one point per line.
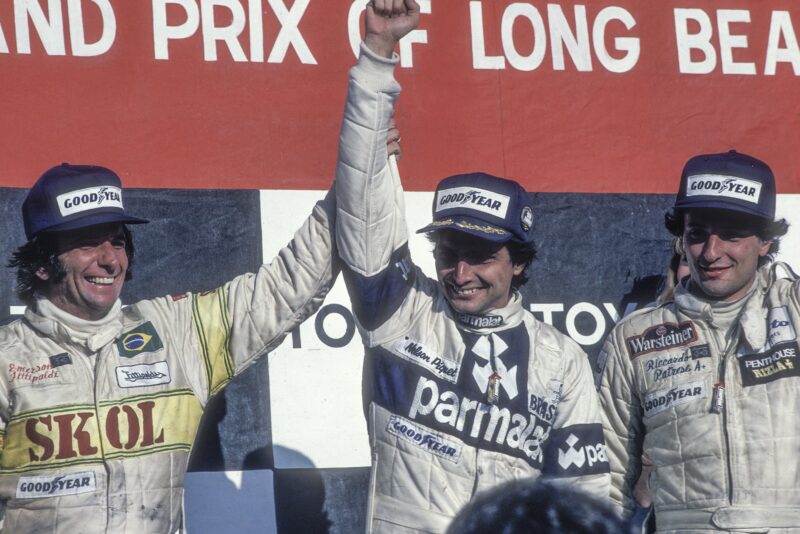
497	319
62	326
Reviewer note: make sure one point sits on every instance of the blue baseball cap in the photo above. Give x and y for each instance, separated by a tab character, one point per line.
729	181
483	205
68	197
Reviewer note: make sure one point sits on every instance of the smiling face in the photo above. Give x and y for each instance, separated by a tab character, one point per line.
95	262
474	274
722	250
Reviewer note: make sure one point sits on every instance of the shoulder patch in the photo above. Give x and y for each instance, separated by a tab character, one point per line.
141	339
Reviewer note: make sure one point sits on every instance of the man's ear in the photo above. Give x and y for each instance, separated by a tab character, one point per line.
42	274
518	268
763	250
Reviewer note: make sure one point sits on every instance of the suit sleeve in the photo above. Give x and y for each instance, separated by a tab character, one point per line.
622	419
371	229
576	451
229	327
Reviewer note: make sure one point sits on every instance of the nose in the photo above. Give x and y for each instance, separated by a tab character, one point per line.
712	249
462	272
107	256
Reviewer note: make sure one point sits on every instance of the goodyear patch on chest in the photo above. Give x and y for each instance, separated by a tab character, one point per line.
37	487
141	339
663	399
661	337
778	362
415	352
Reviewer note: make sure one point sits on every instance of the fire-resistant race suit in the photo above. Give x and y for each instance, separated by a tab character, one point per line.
436	437
710	391
97	429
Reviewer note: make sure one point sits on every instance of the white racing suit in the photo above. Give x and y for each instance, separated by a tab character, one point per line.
96	434
435	436
732	471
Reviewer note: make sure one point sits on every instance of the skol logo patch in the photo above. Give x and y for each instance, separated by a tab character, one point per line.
143	338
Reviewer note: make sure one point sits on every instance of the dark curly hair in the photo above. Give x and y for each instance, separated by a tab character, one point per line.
528	506
42	252
765	229
521	254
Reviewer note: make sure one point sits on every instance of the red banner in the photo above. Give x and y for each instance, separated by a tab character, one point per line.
611	96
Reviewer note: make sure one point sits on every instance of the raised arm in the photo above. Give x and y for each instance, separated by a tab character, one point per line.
371	231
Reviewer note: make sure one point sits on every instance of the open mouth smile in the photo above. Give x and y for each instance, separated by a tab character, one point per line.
100	280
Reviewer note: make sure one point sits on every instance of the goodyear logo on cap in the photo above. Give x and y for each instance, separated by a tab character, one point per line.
103	196
725	186
473	198
143	338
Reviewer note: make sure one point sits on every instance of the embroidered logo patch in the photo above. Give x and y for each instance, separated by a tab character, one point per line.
415	352
60	359
56	486
725	186
778	362
31	374
104	196
423	438
661	337
780	326
143	338
473	198
136	376
661	400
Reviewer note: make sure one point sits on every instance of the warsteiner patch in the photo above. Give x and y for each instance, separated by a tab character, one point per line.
661	337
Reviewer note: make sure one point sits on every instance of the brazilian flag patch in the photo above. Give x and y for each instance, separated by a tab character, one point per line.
143	338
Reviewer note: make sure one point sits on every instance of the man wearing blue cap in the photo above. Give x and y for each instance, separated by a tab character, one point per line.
99	404
464	388
707	385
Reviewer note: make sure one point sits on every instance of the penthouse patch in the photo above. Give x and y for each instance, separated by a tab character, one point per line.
778	362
